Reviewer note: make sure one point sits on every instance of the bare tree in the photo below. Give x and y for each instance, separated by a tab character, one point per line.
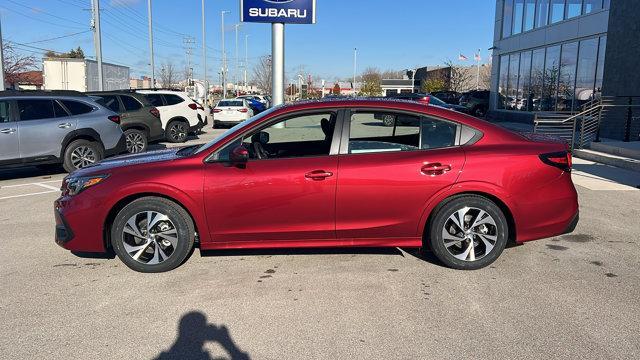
262	74
371	79
15	63
392	74
459	78
485	76
168	74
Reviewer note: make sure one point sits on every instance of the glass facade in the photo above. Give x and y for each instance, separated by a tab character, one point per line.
556	78
524	15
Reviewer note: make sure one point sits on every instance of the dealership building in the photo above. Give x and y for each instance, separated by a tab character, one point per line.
558	55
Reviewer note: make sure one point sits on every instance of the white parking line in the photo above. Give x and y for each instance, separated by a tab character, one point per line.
40	183
47	186
30	194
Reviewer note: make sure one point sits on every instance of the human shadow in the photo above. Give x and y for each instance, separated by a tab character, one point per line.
193	333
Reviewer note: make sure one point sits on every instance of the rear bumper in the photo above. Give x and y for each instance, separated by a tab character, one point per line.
198	126
120	147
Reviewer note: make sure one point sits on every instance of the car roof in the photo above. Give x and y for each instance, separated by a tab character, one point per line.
43	93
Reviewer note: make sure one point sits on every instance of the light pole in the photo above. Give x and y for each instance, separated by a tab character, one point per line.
355	69
204	59
237	66
224	58
151	60
246	59
1	58
97	38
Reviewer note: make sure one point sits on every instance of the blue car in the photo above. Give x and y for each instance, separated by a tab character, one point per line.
255	105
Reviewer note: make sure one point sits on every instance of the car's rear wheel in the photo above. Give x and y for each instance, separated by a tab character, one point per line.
177	131
388	120
81	153
136	140
468	232
152	234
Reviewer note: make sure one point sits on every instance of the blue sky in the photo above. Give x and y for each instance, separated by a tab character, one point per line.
388	34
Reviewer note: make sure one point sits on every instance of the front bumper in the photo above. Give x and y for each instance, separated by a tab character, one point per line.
79	223
64	234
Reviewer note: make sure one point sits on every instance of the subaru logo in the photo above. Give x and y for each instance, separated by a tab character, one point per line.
279	1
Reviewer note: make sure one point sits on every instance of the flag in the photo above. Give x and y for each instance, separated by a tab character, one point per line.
462	57
477	57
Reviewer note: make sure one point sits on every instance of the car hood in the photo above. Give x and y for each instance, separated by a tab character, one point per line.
129	160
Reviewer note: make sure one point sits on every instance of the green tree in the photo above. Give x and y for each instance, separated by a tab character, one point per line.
432	85
371	79
76	53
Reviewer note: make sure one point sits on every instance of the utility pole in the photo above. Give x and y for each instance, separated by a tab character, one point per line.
151	61
246	59
97	40
188	42
355	69
478	75
277	65
224	59
237	66
1	57
204	60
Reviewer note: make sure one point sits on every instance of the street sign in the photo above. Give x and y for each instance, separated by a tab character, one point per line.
278	11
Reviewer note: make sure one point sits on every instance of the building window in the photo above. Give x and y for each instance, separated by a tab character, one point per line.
591	6
517	16
551	73
537	78
574	8
512	84
600	70
586	72
567	77
507	17
502	81
542	13
529	14
557	11
524	83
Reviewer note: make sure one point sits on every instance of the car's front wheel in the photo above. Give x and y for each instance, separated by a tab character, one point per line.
136	141
468	232
152	234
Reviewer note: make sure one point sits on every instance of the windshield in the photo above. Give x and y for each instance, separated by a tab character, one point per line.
435	101
243	124
230	103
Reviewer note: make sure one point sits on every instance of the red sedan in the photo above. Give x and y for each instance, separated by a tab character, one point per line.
327	174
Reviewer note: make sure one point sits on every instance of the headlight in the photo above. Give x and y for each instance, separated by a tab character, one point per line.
75	185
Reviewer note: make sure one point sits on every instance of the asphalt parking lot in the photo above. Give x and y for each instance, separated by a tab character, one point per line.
573	296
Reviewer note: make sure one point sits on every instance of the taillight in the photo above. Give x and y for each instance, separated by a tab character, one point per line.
193	106
216	110
425	100
562	160
115	118
243	110
155	112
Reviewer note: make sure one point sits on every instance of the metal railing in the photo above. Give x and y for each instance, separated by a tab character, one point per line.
582	128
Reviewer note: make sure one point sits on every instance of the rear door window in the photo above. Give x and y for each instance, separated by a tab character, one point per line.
5	111
231	103
373	132
36	109
172	99
77	107
130	103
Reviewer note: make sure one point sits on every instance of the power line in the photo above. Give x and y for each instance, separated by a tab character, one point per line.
40	11
41	20
58	37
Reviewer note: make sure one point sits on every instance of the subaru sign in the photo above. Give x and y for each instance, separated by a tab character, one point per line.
278	11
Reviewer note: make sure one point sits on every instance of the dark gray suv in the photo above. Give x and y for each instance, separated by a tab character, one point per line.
56	127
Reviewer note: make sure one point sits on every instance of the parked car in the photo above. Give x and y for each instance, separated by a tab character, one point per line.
448	96
265	99
139	120
56	127
231	112
326	174
178	112
255	103
426	99
476	102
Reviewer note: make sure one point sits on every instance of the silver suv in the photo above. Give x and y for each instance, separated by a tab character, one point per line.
53	127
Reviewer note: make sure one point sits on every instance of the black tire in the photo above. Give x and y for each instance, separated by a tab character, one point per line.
479	111
71	164
184	227
137	141
441	218
388	120
177	131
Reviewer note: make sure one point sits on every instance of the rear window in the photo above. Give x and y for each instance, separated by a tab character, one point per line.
130	103
172	99
154	99
76	107
231	103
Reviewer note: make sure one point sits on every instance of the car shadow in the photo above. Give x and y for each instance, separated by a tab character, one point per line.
302	251
194	331
21	172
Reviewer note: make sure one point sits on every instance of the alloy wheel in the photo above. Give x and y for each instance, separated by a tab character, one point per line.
469	234
150	237
83	156
178	132
135	143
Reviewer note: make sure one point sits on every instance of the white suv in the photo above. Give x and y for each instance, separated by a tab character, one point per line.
178	112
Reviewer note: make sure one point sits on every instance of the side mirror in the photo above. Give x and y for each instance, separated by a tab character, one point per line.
239	155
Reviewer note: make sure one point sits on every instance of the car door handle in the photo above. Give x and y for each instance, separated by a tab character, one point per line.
318	175
64	125
7	131
434	169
